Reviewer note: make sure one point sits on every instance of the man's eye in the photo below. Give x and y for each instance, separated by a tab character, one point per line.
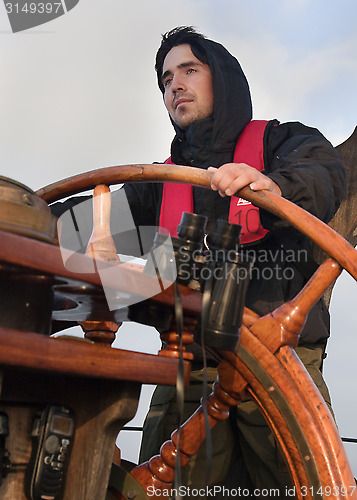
167	82
191	70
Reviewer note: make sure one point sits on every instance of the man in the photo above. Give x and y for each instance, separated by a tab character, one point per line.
208	100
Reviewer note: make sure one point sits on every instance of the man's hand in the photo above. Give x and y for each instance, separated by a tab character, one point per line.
231	177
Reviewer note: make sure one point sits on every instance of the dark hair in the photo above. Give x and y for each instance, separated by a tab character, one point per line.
173	38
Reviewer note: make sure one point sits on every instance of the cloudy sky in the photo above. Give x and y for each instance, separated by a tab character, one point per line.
80	93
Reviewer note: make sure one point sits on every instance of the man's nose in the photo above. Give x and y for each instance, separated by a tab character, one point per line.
178	84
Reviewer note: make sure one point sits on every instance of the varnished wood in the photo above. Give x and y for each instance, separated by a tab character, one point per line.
299	425
287	321
308	437
159	471
326	442
60	356
293	407
172	340
101	247
36	255
48	258
120	174
116	455
102	332
321	234
101	409
23	212
326	274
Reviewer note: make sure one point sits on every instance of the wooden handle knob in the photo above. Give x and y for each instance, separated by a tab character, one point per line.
101	244
101	247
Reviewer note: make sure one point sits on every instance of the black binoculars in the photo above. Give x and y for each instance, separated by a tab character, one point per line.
213	265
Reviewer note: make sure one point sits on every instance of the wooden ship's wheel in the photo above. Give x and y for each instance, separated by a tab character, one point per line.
101	385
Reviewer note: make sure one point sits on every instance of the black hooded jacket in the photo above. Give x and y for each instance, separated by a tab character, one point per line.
298	158
211	141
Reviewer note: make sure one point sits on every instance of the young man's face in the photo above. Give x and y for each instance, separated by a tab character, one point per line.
187	82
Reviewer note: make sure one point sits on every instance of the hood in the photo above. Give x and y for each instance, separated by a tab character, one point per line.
211	141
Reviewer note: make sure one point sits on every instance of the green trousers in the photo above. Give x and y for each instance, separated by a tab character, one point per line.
245	452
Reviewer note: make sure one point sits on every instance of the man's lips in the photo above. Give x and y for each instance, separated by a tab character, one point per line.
181	100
